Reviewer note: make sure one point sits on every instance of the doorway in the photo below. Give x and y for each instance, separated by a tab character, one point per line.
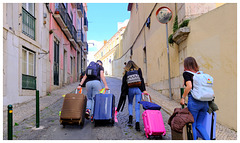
56	62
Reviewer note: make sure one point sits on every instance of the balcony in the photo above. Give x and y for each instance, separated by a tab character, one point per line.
73	40
80	37
85	48
80	9
60	14
68	29
28	24
85	22
63	19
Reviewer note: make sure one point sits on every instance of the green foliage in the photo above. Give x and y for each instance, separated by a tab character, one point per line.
184	23
170	40
16	124
175	25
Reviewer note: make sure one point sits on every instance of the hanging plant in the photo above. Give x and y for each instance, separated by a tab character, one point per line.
170	40
175	25
184	23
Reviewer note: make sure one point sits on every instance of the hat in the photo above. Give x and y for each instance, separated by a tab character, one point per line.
99	61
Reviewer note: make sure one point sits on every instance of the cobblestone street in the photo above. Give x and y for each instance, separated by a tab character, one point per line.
50	129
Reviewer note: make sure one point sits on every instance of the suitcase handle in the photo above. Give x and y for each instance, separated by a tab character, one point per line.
147	96
78	91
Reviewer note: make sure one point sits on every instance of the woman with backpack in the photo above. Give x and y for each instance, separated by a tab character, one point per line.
132	85
94	73
197	108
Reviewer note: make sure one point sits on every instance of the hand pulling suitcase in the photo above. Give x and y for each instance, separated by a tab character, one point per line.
153	121
104	108
187	133
209	123
73	109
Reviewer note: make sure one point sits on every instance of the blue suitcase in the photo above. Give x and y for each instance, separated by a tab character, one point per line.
209	123
104	109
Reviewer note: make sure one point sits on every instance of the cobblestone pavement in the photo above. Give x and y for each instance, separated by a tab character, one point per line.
50	129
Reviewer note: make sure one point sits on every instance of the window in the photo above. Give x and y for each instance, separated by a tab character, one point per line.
28	20
29	7
28	62
28	69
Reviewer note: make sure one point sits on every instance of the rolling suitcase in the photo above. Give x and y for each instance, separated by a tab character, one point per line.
104	109
187	133
209	123
73	109
153	121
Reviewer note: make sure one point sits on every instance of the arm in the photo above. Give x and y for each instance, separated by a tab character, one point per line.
186	91
104	80
83	79
142	82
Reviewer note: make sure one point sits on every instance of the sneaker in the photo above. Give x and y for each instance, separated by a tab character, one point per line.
130	120
92	118
137	126
87	114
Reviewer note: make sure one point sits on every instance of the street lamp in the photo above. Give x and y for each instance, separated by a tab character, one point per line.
164	15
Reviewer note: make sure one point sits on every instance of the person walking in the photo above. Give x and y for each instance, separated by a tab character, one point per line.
93	86
132	85
197	108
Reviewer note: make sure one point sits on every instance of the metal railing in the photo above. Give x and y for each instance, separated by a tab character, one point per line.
60	9
28	24
80	6
68	22
74	33
79	35
85	21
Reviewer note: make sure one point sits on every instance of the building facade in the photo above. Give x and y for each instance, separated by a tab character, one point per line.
36	47
205	37
107	53
67	46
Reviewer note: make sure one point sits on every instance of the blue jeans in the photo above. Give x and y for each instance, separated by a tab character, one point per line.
131	92
198	110
93	88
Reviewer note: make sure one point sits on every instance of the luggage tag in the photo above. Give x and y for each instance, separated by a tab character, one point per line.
80	91
103	91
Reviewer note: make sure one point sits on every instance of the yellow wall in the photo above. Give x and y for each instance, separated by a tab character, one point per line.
213	42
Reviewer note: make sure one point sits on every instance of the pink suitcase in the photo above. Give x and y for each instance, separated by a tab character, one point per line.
153	123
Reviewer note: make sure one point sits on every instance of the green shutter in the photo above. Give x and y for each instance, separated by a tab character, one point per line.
28	82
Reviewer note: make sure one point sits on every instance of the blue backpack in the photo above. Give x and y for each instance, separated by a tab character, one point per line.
92	69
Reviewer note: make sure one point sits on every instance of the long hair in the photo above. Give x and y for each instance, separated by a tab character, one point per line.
190	64
130	65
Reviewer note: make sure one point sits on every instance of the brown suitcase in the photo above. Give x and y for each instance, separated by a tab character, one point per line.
187	133
73	109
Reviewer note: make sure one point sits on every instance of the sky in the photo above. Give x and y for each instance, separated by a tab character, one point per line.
103	21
